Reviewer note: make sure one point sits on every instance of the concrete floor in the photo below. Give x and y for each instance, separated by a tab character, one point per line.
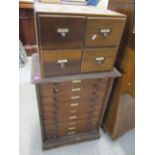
30	137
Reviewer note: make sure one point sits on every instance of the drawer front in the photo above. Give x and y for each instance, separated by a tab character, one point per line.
80	107
69	117
98	59
46	101
104	31
70	111
68	85
61	62
75	87
76	97
70	128
76	91
60	32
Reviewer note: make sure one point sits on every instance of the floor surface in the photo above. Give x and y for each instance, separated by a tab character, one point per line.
30	136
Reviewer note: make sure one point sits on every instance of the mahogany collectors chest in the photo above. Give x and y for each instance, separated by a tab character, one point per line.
73	72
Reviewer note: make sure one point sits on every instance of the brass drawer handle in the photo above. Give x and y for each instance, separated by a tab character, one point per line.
72	117
75	97
74	104
76	89
62	62
71	133
63	31
99	60
105	32
76	81
73	111
72	128
72	123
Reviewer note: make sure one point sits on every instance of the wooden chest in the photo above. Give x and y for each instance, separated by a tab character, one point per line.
71	107
120	114
76	44
77	39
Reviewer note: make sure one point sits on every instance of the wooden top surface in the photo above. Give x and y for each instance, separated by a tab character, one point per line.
36	74
26	1
73	9
26	4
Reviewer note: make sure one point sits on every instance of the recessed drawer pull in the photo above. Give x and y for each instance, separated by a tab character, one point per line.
72	117
74	104
76	81
105	32
72	128
62	62
76	89
99	60
72	123
75	97
71	133
63	31
73	111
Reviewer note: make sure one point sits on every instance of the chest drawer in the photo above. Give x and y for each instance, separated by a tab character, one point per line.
71	108
70	128
74	97
70	111
104	31
76	87
65	117
61	62
74	91
68	85
98	59
48	101
60	32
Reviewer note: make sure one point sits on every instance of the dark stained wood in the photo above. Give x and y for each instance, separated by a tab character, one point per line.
68	98
106	99
36	74
73	122
50	38
27	28
70	86
40	114
64	129
126	7
57	31
94	38
55	141
124	1
66	117
91	59
81	90
120	113
72	108
71	103
52	67
128	65
65	140
57	9
25	5
57	112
